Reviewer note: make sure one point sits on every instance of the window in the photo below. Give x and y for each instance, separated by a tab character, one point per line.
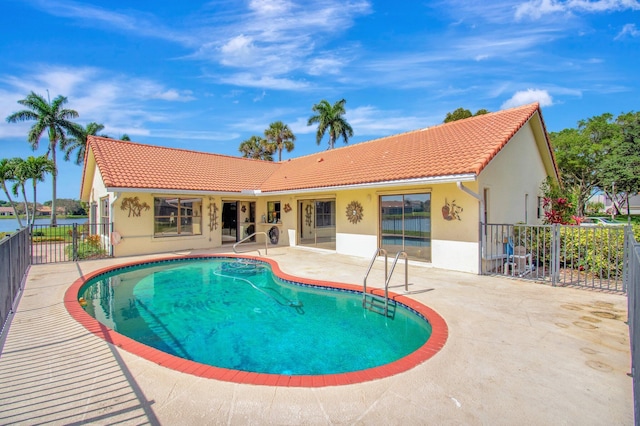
273	211
325	214
104	216
177	216
540	207
405	224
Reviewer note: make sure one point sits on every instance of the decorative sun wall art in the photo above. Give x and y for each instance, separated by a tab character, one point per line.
354	212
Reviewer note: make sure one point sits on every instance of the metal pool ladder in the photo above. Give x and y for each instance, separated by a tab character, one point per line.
266	238
387	279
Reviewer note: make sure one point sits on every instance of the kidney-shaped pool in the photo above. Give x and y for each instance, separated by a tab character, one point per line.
241	319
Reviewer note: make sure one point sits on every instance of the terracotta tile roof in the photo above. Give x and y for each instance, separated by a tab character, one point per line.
134	165
457	148
460	147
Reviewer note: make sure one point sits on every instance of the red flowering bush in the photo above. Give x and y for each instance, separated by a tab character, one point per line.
559	210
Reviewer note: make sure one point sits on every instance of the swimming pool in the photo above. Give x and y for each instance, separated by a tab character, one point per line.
243	320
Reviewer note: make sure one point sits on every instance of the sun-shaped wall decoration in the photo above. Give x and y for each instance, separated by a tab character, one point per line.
354	212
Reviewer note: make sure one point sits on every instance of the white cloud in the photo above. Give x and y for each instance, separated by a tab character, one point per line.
535	9
528	96
628	30
174	95
117	101
270	7
264	82
369	120
326	65
137	23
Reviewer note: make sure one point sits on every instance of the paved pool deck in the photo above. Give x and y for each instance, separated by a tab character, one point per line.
517	352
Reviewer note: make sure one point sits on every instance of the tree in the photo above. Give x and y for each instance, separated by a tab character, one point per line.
78	140
35	168
255	147
21	177
461	114
621	167
580	154
331	118
8	173
279	137
50	117
125	137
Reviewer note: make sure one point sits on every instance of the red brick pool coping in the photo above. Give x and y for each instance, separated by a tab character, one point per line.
430	348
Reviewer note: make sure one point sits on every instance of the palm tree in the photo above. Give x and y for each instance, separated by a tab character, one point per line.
279	136
255	147
35	169
331	117
8	173
50	117
20	173
78	140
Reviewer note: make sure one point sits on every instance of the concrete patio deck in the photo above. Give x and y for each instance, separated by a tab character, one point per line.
517	353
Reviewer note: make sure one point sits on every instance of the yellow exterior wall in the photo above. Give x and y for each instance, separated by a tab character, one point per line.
137	232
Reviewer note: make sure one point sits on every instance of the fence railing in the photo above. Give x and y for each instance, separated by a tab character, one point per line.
72	242
563	255
632	283
14	262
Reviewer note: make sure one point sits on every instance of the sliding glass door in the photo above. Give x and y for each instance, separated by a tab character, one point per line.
405	225
317	223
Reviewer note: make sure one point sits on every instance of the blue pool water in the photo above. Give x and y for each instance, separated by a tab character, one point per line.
236	314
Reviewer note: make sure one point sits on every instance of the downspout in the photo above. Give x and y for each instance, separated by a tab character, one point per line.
115	198
481	216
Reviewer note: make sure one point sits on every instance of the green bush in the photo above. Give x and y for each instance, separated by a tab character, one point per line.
596	250
86	250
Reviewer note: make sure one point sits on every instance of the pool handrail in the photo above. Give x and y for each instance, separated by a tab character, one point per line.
378	251
406	277
266	239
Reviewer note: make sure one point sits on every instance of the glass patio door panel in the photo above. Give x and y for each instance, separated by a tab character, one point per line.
406	225
391	226
317	223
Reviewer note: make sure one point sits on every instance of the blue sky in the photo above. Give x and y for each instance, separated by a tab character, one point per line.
208	75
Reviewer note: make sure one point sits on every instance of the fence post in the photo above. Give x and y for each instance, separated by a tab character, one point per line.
628	263
555	254
74	241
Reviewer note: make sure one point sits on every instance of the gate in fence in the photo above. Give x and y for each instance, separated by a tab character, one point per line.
563	255
65	243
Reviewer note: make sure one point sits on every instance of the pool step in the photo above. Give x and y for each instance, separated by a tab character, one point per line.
377	304
242	268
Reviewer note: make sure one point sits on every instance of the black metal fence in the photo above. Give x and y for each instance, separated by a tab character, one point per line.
73	242
563	255
14	262
632	281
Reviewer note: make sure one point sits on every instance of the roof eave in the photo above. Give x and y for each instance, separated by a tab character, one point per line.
173	191
467	177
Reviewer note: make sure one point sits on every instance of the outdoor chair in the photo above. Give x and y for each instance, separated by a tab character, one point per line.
519	263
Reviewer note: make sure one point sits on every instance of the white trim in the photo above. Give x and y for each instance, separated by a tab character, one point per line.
404	182
165	191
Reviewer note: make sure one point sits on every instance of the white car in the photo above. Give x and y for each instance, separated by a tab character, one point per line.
599	221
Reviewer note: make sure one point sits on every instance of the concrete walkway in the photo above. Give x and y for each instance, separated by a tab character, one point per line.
518	353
